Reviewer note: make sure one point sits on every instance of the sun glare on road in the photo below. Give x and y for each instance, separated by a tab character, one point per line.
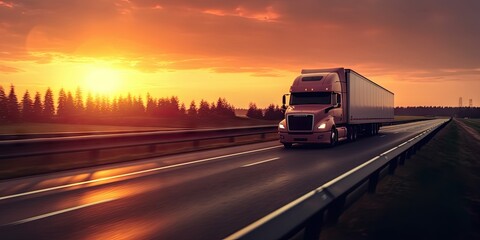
107	81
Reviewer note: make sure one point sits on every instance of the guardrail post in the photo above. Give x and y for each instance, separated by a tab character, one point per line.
401	159
314	227
335	210
393	165
408	153
372	182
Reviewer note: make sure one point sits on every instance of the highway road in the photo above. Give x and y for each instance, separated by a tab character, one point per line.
202	195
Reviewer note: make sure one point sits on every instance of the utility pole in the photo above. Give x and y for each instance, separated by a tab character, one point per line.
470	102
460	102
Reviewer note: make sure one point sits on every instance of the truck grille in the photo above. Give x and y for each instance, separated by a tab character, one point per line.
300	122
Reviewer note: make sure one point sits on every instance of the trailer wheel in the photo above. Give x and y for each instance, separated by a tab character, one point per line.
354	133
287	145
333	137
350	136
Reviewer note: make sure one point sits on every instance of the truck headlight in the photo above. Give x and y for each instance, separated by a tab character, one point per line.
322	126
281	126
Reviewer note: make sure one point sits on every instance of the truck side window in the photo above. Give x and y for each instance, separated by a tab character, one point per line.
339	98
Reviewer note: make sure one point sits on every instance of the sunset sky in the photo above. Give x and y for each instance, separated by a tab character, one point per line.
426	51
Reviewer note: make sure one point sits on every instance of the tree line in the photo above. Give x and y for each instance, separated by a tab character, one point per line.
73	106
272	112
471	112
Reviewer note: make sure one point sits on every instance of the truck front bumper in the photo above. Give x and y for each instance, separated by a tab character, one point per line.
316	137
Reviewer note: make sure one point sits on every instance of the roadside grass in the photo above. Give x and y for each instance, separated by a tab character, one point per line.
473	123
436	196
21	128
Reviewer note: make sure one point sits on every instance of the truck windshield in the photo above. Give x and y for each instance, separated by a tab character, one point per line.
311	98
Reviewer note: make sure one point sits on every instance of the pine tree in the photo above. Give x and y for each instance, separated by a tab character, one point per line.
62	100
114	108
163	106
105	105
192	110
90	105
254	112
69	105
79	107
183	110
204	109
27	107
48	105
3	105
37	108
13	110
151	106
174	106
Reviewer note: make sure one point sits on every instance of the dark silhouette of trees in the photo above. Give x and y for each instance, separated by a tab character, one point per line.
151	107
37	108
192	110
69	106
183	110
3	105
79	107
62	100
223	108
203	109
90	105
13	109
273	113
48	105
75	108
254	112
27	107
471	112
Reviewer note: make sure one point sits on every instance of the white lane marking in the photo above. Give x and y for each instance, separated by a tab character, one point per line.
133	173
382	135
59	212
260	162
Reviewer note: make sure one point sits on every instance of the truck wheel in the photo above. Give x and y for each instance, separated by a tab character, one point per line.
349	134
287	145
333	137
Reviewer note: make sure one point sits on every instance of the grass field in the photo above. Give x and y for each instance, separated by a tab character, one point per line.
20	128
473	123
436	196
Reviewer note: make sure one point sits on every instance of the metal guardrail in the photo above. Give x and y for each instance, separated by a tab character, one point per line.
46	146
304	217
28	157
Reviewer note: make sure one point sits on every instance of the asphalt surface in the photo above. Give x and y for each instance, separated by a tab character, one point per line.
203	195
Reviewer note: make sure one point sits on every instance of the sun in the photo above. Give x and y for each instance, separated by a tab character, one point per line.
105	81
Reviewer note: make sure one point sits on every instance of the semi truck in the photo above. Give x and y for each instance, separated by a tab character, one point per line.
331	105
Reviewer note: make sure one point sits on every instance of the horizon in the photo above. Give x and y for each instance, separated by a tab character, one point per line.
247	51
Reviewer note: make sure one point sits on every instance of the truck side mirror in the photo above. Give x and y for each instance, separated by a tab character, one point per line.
284	102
